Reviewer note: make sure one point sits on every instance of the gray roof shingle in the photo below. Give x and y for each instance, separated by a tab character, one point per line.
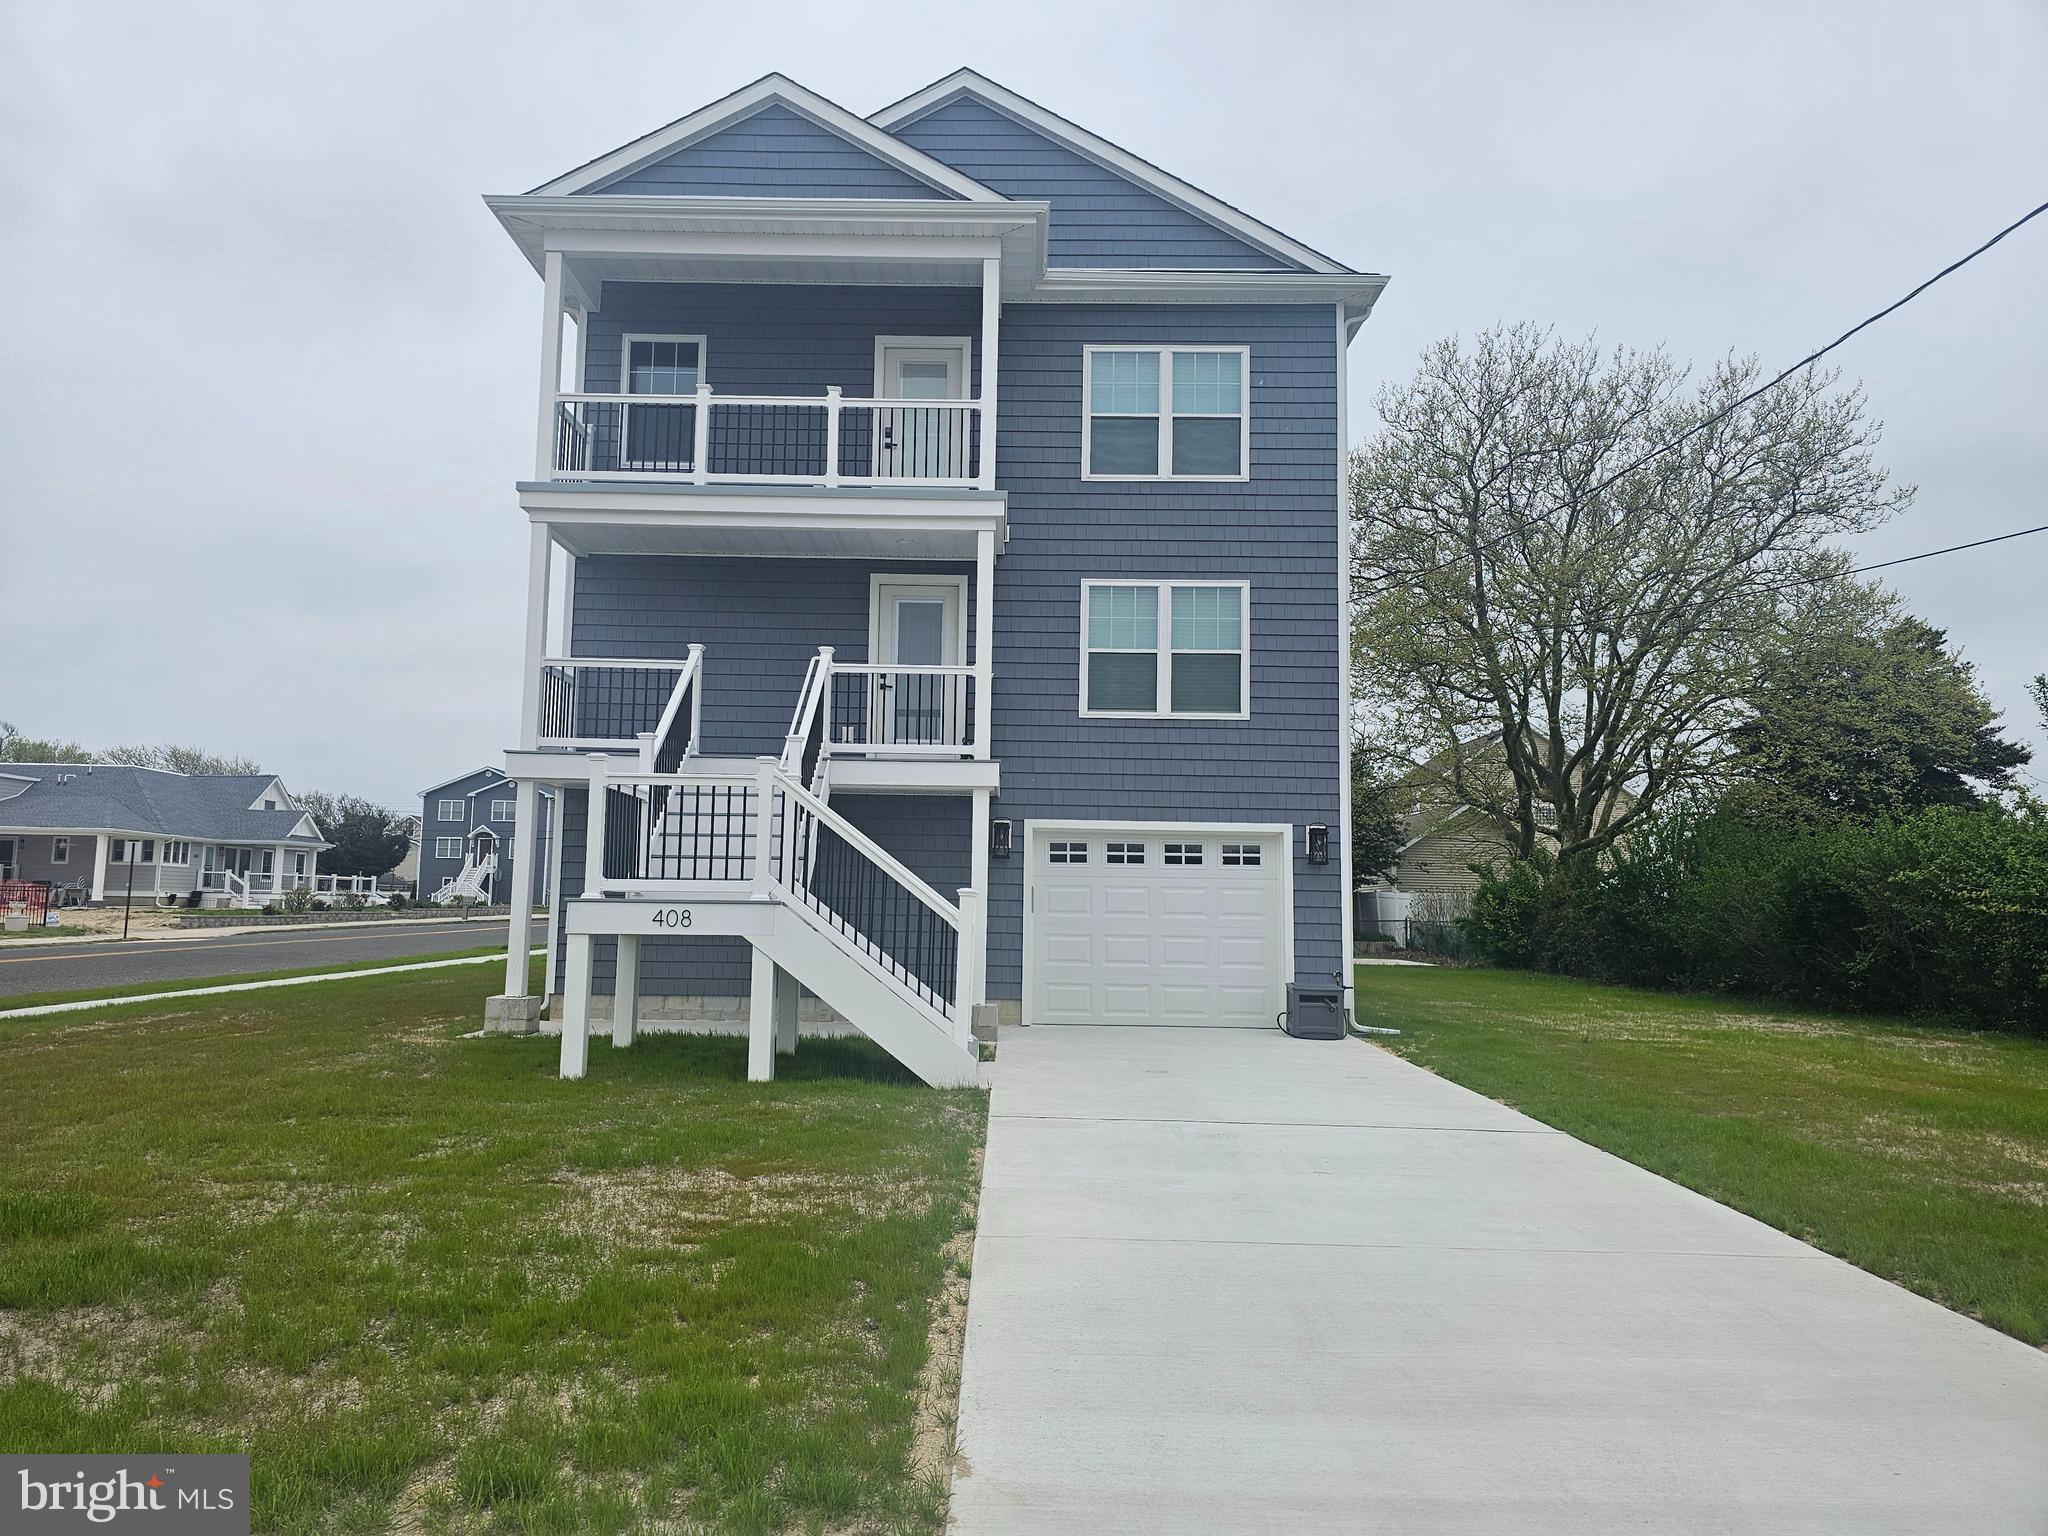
148	801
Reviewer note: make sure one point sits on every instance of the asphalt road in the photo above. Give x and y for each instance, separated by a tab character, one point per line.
28	968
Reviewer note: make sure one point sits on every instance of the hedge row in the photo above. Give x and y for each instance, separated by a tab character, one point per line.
1944	912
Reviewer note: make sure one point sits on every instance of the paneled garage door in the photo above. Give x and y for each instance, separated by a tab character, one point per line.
1176	926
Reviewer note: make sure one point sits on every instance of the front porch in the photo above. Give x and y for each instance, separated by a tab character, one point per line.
142	869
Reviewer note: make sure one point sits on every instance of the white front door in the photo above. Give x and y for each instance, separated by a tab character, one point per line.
1153	925
10	857
915	624
915	442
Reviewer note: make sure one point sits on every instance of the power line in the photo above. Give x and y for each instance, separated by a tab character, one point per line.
2017	533
1762	389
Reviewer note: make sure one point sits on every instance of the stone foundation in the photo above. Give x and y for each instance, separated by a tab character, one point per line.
698	1015
511	1015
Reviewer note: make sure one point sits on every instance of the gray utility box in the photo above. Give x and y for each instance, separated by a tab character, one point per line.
1314	1013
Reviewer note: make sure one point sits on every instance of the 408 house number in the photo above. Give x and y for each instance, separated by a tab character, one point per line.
671	917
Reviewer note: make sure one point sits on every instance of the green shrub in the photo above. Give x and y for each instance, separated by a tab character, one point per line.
1944	911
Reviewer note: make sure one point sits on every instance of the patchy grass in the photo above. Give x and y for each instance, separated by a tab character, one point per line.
1919	1154
37	932
430	1287
187	984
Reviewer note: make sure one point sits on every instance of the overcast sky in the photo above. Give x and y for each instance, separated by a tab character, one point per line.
267	366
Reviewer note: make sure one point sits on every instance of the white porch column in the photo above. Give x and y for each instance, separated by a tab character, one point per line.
991	324
626	990
539	550
554	892
576	1008
785	1012
984	636
101	847
970	983
550	362
761	1020
519	929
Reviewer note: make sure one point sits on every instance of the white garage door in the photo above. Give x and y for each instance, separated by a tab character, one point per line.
1173	926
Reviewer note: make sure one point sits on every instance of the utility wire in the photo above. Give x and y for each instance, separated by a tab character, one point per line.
1929	554
1762	389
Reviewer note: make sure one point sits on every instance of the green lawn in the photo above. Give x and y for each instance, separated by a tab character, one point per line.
188	984
1919	1154
36	933
429	1286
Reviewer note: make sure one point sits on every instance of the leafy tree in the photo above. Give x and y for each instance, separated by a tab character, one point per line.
173	758
17	748
1376	830
1576	651
2039	689
1878	718
368	840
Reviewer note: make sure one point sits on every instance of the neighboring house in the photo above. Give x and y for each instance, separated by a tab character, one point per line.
952	511
102	831
466	845
407	874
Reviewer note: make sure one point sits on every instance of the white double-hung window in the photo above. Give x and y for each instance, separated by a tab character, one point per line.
1165	649
1165	413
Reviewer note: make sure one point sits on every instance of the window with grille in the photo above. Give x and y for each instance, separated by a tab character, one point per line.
1123	853
1240	855
1067	853
1195	663
1183	853
1165	413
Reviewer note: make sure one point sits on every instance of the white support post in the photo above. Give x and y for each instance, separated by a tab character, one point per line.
764	831
696	665
593	829
968	983
576	1010
540	549
556	936
977	850
101	848
550	362
984	636
991	325
761	1020
626	990
700	450
832	413
519	927
785	1012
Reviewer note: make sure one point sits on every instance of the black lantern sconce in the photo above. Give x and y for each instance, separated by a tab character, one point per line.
1318	843
999	839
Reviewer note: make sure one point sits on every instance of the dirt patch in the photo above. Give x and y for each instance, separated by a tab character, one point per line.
935	1448
673	1206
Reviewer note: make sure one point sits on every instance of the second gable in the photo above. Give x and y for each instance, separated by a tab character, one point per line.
772	153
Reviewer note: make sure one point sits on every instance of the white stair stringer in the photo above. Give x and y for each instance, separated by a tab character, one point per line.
867	997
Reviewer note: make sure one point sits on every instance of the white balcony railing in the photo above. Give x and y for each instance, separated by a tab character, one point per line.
826	440
600	702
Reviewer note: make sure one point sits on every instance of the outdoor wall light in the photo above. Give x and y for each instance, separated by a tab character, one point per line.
999	839
1318	843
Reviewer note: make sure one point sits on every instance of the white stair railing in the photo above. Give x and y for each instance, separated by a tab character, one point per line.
673	741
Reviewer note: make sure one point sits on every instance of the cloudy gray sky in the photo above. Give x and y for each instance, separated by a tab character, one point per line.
267	366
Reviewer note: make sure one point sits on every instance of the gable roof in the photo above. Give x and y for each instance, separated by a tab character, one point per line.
154	802
486	772
1114	157
596	175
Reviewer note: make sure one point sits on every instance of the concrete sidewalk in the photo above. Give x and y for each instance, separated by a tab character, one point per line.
1226	1281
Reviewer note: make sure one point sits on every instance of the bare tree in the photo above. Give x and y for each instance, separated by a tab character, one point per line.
1571	644
173	758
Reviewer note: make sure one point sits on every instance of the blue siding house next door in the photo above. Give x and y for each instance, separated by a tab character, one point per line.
947	524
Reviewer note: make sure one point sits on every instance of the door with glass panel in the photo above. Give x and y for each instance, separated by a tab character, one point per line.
920	442
655	437
917	624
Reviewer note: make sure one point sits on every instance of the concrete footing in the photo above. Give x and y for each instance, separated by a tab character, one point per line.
512	1015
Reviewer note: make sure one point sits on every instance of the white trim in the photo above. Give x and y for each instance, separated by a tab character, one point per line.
744	103
1164	649
963	345
1347	877
55	856
626	358
441	816
511	809
441	851
1281	831
957	585
625	390
1165	413
1111	157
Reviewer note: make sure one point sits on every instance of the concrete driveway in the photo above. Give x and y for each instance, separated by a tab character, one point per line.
1226	1281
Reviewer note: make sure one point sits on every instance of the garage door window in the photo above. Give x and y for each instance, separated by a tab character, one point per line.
1184	853
1067	853
1124	853
1240	855
1193	664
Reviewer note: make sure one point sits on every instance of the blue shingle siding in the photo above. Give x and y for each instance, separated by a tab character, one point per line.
1278	531
772	153
759	621
762	339
1098	218
762	619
